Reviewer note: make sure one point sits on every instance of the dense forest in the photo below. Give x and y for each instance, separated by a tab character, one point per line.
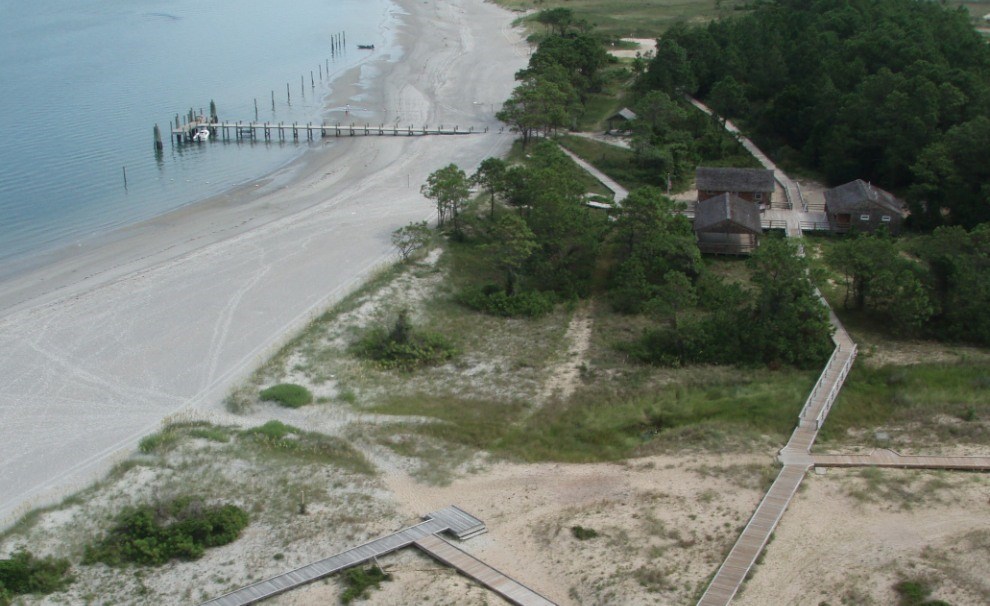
892	91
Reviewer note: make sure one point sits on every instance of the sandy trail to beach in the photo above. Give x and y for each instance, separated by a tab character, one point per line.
97	347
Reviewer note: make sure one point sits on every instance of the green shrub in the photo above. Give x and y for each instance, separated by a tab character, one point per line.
25	573
154	534
359	580
402	347
162	441
287	394
494	301
915	592
583	534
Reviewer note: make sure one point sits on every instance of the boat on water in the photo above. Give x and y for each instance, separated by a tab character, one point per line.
202	134
366	46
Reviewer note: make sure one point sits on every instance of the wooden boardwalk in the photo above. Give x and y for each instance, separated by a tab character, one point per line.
888	458
450	519
468	565
796	454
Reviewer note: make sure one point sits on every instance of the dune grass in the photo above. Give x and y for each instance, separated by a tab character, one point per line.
944	402
605	423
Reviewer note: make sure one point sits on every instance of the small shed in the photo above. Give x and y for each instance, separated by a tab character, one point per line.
727	225
861	206
620	120
755	185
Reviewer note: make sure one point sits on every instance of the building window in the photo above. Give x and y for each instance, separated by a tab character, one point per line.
885	218
864	217
759	196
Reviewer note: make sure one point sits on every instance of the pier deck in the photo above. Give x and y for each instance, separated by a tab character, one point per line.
282	131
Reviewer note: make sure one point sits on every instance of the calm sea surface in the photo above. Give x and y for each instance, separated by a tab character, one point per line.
83	82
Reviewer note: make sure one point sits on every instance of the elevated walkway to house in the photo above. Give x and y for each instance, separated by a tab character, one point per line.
451	519
619	193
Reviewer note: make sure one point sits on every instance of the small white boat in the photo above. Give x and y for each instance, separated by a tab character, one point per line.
203	134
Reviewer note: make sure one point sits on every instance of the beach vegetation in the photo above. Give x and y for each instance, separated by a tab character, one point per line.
403	347
411	239
277	438
153	534
289	395
359	581
25	573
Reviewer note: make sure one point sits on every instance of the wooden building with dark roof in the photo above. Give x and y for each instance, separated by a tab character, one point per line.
861	206
755	185
620	120
727	225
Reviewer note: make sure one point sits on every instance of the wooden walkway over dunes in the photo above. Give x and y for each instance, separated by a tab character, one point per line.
277	130
797	459
424	536
470	566
884	457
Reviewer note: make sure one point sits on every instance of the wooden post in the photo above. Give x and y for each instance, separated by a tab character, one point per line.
158	139
288	96
125	177
312	83
302	86
321	72
255	109
273	100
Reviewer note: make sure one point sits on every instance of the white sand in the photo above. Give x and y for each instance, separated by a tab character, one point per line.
98	346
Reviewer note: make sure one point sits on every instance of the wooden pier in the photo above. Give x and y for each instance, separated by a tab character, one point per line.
280	131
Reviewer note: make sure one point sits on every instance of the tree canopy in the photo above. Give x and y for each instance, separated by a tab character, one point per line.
892	91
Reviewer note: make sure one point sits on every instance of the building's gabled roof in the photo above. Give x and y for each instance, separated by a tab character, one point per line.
859	195
734	179
727	213
625	114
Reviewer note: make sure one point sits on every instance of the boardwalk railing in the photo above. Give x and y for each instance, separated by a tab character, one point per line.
822	378
773	224
830	399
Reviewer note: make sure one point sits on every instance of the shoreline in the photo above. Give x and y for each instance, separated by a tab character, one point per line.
168	316
53	273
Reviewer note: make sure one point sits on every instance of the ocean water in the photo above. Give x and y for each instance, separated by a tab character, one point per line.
83	82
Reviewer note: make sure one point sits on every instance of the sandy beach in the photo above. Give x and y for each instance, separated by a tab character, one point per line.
102	343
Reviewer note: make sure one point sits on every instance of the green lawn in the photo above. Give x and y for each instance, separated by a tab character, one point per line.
633	18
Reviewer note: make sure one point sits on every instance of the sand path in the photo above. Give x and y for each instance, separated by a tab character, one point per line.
98	346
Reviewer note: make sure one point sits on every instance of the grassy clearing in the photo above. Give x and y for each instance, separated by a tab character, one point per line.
631	19
615	162
609	423
924	404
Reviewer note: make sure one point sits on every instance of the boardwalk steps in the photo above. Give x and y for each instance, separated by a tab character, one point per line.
450	519
468	565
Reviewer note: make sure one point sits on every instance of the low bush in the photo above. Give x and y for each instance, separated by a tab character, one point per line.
583	534
359	580
288	395
182	528
25	573
402	347
494	301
